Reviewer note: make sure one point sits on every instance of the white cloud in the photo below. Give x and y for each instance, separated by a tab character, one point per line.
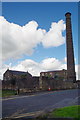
77	69
65	60
3	68
48	64
18	40
53	37
52	64
34	67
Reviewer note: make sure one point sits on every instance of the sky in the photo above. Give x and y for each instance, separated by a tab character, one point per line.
34	36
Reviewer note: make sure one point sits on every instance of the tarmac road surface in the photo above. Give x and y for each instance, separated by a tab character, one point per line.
32	105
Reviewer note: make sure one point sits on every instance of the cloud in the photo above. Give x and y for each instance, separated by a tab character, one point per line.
53	37
77	69
34	67
65	60
52	64
19	40
48	64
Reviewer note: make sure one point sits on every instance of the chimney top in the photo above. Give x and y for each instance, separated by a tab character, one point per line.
68	14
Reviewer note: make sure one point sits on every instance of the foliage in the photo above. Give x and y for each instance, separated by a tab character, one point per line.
48	75
58	77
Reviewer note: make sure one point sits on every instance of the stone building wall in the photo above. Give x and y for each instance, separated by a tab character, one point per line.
0	84
58	74
20	80
27	82
10	74
7	75
53	84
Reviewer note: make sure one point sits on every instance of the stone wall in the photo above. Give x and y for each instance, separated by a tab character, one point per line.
24	84
32	83
0	84
58	74
53	84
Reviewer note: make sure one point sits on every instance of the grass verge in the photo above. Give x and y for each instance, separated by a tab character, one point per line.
0	93
7	93
68	112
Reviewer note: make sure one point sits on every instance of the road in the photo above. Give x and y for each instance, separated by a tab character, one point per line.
22	106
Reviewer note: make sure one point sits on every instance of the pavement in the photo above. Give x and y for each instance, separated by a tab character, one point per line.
30	106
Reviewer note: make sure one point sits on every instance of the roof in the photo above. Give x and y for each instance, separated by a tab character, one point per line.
77	80
18	72
54	71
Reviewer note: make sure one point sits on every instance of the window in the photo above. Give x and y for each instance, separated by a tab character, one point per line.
42	74
51	74
46	73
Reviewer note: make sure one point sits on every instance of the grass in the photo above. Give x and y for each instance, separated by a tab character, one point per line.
67	112
0	93
72	112
7	93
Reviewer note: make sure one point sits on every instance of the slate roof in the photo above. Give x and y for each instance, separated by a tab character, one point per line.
19	72
54	71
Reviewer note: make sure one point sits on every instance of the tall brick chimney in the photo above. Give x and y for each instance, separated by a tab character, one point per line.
71	75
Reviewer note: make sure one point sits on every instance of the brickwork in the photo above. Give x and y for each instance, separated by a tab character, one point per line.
69	49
